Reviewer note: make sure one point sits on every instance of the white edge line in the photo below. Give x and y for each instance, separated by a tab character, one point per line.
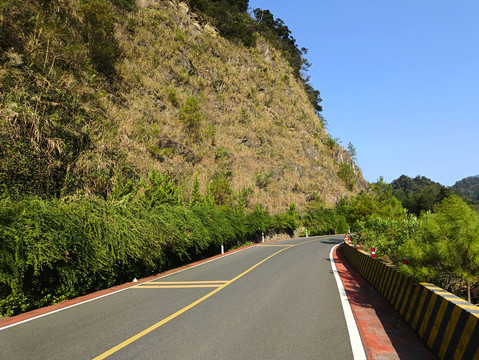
116	292
354	337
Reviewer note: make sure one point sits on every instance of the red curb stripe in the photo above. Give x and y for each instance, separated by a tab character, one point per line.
384	334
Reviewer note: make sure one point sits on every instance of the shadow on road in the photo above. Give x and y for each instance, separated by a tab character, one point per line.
331	241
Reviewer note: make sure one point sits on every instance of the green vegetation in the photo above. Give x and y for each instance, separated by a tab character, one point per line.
325	222
468	187
191	115
347	175
447	252
419	194
441	246
53	250
98	22
352	151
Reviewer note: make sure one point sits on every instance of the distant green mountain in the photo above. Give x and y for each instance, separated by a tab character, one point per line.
468	187
419	193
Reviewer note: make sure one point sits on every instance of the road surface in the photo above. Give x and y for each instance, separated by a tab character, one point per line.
276	300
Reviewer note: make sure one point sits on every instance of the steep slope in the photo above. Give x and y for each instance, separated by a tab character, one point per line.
81	106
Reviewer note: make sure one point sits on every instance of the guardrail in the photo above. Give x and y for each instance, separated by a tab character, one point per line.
448	324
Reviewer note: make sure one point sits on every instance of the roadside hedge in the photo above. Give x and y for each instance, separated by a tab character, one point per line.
52	250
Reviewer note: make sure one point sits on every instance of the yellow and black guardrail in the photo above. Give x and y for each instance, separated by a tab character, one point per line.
448	324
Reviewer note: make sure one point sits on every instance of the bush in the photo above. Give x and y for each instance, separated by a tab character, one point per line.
52	250
325	222
191	115
347	175
388	236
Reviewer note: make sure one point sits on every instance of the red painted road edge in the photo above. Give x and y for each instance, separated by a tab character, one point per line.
385	335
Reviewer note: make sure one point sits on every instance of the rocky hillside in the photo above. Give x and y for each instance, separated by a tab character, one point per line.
94	90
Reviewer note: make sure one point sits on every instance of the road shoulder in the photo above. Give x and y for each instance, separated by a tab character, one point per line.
384	333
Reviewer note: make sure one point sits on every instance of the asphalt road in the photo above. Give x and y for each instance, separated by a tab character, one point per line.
272	301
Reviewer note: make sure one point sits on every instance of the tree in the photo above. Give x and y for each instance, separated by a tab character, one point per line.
468	187
221	189
419	194
448	250
191	114
196	198
352	151
455	228
161	189
347	174
380	202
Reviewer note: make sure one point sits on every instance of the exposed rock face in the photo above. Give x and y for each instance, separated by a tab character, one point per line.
341	155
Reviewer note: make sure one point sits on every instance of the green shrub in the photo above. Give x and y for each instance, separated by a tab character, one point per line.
325	222
191	114
347	175
52	250
388	236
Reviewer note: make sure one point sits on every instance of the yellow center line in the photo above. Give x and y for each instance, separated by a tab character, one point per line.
186	308
275	245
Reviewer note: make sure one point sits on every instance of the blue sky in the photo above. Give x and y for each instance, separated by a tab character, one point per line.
399	80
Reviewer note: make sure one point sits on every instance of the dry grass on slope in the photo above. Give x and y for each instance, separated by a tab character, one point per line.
256	125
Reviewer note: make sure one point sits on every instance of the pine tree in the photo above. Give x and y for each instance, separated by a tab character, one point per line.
196	197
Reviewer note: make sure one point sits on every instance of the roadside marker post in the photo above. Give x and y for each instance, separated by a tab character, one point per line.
306	232
373	252
357	245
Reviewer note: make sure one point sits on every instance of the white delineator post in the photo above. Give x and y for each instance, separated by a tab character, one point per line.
262	237
222	249
306	232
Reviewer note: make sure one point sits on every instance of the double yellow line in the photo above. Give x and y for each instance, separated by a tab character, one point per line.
180	284
188	307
